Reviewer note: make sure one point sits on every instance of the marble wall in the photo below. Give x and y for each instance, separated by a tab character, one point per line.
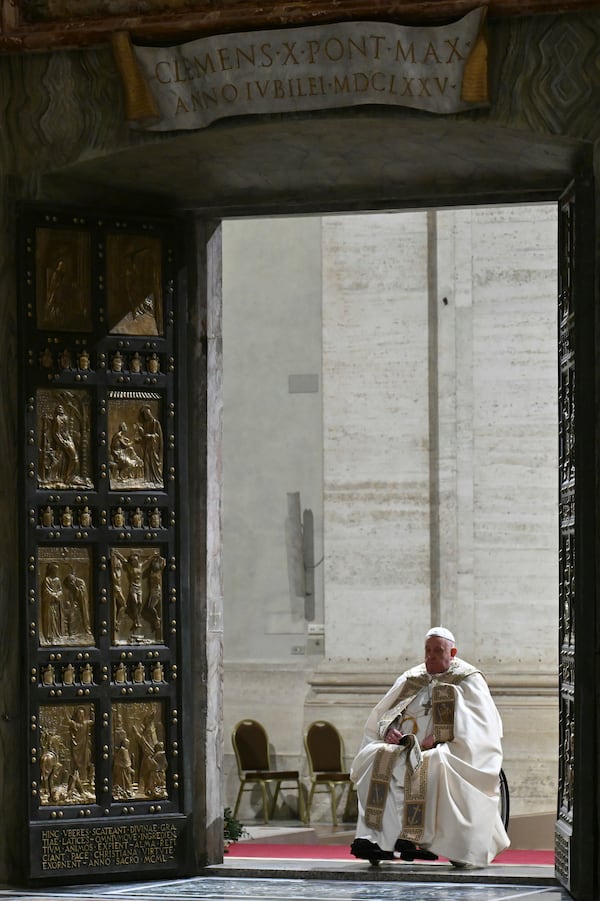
376	435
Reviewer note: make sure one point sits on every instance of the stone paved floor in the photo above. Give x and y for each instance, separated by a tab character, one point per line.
212	888
310	881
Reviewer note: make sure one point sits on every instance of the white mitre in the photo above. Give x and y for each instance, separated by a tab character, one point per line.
440	632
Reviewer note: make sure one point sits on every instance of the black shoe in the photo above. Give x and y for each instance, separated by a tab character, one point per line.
409	851
366	850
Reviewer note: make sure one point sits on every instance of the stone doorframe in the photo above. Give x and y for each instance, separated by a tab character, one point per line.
575	829
204	691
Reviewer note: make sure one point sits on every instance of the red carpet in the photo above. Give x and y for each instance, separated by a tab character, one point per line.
342	852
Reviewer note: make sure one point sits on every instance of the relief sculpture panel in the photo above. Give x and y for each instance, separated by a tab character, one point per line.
65	580
52	10
64	439
136	442
137	595
139	757
135	305
67	774
62	266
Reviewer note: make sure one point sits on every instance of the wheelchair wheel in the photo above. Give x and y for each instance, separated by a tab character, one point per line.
504	799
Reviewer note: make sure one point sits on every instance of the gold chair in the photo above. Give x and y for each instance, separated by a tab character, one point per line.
251	746
325	753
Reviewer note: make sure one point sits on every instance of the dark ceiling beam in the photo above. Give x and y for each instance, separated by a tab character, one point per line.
18	36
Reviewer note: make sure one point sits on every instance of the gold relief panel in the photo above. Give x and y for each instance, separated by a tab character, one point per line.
63	431
66	754
136	443
134	285
65	593
139	760
137	575
34	11
63	280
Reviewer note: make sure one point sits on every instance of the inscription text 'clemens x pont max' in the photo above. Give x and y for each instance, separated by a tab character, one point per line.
441	69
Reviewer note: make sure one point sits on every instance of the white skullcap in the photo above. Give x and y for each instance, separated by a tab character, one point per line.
440	632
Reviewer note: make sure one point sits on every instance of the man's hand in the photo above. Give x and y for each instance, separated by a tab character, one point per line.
428	743
393	736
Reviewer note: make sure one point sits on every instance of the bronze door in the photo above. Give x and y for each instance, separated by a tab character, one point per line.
101	387
576	828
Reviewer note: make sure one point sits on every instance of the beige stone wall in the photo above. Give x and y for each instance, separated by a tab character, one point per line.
376	435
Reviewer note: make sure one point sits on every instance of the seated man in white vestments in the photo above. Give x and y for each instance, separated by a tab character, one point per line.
427	773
